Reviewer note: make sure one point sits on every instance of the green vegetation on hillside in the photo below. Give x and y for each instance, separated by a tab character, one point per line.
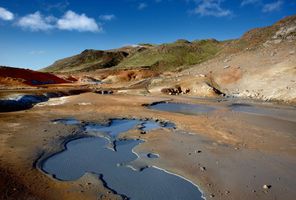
173	55
88	60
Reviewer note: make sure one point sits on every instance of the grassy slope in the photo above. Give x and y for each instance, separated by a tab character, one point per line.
172	56
159	58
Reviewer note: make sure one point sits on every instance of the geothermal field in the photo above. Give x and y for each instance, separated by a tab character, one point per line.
186	120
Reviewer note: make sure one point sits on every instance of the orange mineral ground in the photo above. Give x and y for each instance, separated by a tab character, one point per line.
24	77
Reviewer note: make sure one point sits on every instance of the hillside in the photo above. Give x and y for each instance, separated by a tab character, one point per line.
88	60
260	65
10	76
174	56
156	57
170	56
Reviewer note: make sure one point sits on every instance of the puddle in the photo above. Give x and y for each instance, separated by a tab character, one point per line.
281	112
20	102
116	168
117	126
114	127
150	183
187	109
111	130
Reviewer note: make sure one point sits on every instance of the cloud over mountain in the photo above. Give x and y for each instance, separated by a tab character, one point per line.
70	21
211	8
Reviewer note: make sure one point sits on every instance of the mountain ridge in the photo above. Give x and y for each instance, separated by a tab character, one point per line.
178	55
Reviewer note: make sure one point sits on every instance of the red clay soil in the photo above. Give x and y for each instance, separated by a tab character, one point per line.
29	77
129	75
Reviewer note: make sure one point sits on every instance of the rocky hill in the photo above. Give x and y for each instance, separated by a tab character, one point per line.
88	60
260	65
172	56
175	56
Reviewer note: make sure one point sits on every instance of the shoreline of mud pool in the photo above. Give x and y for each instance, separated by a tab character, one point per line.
229	152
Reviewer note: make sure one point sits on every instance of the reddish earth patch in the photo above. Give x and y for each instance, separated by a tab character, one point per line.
128	75
231	75
16	76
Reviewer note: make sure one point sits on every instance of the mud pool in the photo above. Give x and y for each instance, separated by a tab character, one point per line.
280	112
113	167
187	109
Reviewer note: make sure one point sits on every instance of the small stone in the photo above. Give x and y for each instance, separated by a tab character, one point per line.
266	187
226	60
227	192
143	132
212	195
202	169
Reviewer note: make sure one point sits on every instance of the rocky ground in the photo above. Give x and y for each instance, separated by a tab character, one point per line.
230	155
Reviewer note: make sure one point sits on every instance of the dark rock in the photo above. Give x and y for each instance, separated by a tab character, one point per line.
266	187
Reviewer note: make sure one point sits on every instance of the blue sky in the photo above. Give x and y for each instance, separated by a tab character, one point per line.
35	33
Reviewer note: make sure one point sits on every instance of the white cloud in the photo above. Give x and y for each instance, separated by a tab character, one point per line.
107	17
35	22
272	6
211	8
247	2
73	21
6	14
70	21
141	6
